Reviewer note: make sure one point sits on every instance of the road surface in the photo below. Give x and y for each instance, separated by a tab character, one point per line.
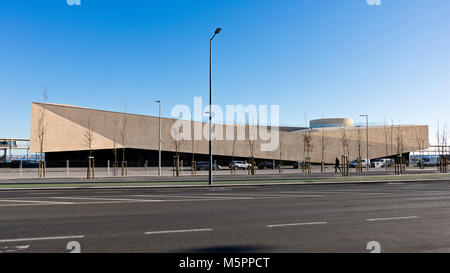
399	217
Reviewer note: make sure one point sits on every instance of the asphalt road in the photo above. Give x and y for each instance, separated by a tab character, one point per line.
401	217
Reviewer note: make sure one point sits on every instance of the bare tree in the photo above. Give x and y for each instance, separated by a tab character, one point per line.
345	142
386	139
399	139
123	135
192	137
115	144
307	148
391	138
280	163
41	133
400	149
89	140
177	143
438	138
359	140
323	146
444	158
444	140
193	163
251	145
441	138
89	135
420	140
232	168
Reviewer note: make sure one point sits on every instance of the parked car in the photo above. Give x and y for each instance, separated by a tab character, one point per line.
267	165
240	165
428	161
382	163
375	163
297	164
25	164
204	165
354	163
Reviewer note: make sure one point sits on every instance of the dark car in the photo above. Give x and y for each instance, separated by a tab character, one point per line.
298	164
354	163
204	165
373	162
267	165
25	164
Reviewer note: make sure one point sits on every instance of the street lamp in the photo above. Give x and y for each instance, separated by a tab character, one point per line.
367	140
210	106
159	141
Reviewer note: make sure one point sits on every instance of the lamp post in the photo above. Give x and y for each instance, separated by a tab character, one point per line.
367	141
210	106
159	139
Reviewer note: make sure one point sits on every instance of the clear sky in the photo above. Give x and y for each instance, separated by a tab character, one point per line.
322	58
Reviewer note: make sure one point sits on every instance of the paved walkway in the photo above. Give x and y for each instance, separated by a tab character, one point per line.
136	175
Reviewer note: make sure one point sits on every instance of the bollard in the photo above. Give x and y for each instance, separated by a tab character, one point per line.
67	168
124	168
194	167
91	168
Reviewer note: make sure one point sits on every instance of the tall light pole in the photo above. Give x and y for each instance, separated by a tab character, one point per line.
210	106
367	141
159	139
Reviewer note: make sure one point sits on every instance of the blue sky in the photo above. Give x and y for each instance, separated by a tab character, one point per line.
322	58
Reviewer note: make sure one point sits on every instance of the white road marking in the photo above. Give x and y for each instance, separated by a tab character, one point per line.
392	218
269	195
303	192
356	192
173	196
338	192
43	193
41	239
85	200
35	201
196	198
297	224
107	199
13	249
99	201
178	231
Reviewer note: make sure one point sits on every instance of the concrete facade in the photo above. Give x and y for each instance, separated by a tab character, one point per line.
331	122
67	126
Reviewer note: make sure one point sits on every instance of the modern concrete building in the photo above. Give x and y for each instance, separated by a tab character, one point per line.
331	122
67	128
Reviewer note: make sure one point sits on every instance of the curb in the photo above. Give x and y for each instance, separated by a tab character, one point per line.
230	185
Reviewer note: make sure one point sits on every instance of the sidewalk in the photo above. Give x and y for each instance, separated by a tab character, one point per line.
151	173
221	180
